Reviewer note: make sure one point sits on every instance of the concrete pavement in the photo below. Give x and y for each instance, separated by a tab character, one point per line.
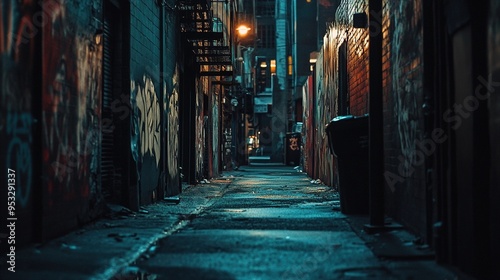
260	222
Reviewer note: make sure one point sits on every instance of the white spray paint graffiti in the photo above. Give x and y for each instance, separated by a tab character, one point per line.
149	118
404	90
173	128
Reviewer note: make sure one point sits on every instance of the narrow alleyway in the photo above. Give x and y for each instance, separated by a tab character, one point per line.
259	222
114	114
271	223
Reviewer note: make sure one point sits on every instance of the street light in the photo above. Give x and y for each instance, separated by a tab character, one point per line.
243	30
244	36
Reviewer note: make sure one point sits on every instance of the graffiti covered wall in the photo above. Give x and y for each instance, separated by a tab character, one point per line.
18	73
403	92
146	98
403	118
215	136
320	106
308	149
146	135
71	94
325	105
201	88
172	145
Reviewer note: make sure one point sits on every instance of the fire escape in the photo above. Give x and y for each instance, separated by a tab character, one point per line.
205	36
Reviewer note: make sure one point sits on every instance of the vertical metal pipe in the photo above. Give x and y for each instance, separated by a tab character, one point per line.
162	184
376	136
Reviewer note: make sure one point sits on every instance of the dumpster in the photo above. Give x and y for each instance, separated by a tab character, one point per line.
292	148
348	142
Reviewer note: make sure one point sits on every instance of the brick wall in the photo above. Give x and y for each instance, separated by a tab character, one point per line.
171	79
144	38
357	40
357	61
54	74
403	92
146	95
391	150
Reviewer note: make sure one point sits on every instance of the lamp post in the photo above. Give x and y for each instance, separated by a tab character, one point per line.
243	33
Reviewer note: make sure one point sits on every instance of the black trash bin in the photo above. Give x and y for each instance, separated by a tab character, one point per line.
348	142
292	148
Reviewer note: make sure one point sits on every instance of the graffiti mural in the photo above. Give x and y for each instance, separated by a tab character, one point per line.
406	83
149	122
146	136
200	147
17	89
199	140
323	115
19	153
71	105
319	103
173	136
215	135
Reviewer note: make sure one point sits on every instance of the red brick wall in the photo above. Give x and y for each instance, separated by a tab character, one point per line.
357	62
403	92
357	54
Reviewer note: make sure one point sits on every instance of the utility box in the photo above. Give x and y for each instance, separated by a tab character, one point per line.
348	142
292	148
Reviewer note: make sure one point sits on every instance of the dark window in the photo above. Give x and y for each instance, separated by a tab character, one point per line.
267	36
264	8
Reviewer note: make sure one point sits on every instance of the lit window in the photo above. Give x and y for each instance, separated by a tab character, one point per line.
273	66
290	65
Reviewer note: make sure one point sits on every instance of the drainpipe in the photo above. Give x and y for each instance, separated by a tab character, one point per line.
162	185
376	137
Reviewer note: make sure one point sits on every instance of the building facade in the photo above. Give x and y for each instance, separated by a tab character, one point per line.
109	102
436	69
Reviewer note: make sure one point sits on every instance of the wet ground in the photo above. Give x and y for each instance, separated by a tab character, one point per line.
264	222
270	223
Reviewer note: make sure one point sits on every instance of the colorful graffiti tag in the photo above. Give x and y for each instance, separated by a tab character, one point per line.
70	105
201	86
16	83
19	153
